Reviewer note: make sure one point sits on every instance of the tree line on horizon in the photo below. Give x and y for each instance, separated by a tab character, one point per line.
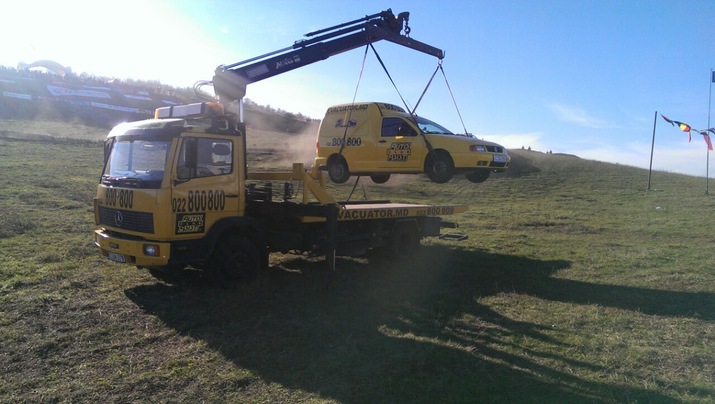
257	116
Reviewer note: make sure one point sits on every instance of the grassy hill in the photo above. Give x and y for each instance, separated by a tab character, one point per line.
575	285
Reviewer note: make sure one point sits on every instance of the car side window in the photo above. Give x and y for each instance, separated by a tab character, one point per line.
393	127
202	157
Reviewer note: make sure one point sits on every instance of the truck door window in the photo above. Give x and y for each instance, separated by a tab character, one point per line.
393	127
212	157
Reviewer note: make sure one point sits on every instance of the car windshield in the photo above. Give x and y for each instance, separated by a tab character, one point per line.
428	127
136	163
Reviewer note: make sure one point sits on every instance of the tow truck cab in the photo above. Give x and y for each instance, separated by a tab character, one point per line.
166	181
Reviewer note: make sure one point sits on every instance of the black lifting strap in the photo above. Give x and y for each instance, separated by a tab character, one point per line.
453	100
412	114
439	66
349	112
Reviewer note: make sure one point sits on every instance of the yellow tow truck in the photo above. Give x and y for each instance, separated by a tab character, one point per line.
176	191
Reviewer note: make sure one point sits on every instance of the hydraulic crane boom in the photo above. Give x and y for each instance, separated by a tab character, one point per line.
230	81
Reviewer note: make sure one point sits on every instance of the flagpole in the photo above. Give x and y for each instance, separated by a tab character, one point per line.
707	161
652	145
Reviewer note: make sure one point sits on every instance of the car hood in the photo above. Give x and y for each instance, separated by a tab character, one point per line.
461	138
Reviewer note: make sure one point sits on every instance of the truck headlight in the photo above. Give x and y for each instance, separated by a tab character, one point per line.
151	250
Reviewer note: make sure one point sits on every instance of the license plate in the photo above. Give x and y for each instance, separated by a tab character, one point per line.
116	257
499	158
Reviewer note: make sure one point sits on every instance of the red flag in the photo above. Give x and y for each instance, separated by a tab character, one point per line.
706	137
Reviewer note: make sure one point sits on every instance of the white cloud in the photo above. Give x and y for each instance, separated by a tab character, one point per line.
577	116
690	161
126	41
516	140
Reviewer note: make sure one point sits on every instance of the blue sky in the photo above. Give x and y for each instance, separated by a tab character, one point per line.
578	77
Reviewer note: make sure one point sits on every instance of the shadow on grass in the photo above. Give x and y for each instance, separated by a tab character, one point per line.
699	305
412	331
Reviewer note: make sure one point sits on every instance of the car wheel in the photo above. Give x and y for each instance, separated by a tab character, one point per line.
380	179
235	260
477	176
439	166
338	169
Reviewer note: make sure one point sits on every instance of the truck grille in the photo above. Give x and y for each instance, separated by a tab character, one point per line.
142	222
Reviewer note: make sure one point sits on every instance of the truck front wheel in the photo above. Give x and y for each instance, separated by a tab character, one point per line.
338	169
235	260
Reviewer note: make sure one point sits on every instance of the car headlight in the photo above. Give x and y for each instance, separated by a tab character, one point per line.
477	148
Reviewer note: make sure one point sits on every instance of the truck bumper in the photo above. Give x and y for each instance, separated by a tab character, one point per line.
133	252
320	163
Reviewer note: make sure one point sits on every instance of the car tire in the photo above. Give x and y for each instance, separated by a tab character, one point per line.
380	179
439	166
477	176
338	169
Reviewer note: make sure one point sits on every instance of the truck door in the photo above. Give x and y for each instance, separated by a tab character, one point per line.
204	184
397	147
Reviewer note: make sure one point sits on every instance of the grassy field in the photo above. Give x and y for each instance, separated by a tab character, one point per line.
575	285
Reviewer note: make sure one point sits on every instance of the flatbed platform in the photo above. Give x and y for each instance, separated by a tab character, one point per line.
368	211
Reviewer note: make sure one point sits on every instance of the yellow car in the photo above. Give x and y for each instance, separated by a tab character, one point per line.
378	139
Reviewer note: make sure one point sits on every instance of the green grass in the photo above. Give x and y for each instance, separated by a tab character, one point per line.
575	285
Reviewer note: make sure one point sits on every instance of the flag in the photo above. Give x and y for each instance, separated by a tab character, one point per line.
706	137
712	72
683	126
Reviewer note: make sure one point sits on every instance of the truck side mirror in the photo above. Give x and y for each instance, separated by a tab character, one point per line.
107	149
191	153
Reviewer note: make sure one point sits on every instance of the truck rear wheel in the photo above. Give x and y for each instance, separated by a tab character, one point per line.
338	169
235	260
439	166
405	239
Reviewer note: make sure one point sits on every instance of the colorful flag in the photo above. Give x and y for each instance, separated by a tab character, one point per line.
706	137
683	126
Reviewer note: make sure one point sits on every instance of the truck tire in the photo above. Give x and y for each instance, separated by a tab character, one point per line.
235	260
439	166
477	176
338	169
405	239
380	179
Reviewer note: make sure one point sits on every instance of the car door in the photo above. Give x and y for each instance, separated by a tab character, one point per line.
398	148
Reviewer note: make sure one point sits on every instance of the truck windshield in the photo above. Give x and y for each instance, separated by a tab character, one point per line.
136	163
428	127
